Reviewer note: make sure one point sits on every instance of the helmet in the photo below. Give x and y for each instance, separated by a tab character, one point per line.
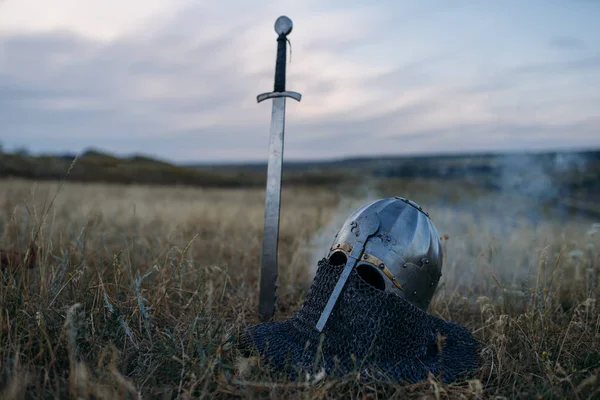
394	246
368	302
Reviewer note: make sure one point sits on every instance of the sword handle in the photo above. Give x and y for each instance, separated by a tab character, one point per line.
280	64
283	27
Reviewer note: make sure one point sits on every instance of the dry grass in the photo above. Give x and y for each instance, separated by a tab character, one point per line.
138	289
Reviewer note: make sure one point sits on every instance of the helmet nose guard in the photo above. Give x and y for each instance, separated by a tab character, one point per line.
365	225
396	238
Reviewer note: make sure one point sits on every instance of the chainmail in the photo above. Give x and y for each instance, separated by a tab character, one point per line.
372	332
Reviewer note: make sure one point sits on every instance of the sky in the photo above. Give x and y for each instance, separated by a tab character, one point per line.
178	79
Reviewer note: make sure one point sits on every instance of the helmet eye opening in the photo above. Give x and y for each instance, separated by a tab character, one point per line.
371	276
338	258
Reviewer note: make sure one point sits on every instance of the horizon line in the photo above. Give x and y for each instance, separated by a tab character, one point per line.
350	157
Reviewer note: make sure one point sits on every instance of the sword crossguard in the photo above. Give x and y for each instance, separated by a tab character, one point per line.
272	95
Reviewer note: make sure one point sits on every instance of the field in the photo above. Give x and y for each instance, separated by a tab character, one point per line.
137	290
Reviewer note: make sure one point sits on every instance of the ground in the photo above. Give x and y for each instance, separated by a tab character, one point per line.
137	289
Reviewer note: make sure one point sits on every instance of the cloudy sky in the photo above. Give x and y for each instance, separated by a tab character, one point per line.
178	79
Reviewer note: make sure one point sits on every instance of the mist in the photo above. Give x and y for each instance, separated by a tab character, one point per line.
497	235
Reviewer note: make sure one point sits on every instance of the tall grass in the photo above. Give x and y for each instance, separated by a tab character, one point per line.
138	291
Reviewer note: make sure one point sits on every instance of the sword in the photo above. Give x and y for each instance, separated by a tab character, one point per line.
268	275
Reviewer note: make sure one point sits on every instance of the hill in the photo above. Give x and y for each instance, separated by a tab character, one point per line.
96	166
568	180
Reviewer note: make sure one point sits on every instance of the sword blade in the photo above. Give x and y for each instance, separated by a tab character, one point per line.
268	276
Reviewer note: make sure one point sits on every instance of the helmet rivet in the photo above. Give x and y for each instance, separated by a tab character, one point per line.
431	284
338	246
365	257
381	266
415	293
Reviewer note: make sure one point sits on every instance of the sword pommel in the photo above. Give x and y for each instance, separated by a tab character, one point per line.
283	27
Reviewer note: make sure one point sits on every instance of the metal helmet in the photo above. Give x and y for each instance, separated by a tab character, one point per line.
394	246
